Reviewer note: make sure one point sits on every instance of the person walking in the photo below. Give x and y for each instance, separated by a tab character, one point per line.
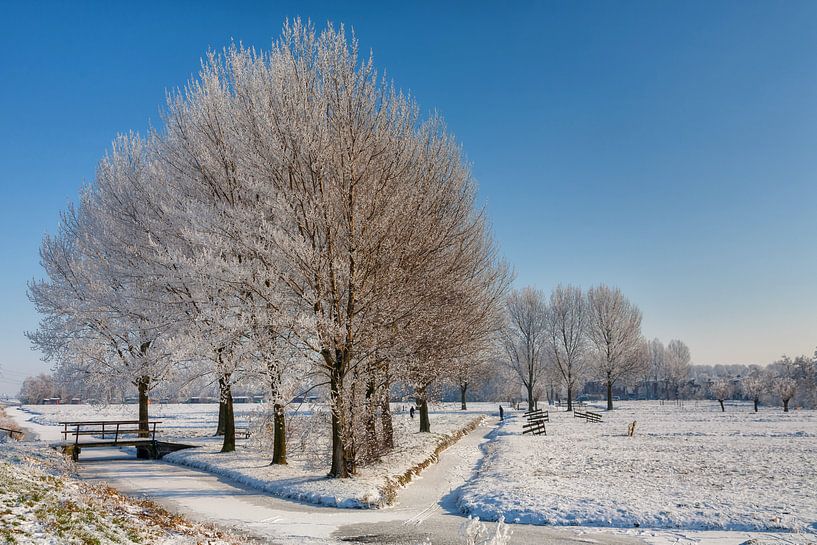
501	413
411	411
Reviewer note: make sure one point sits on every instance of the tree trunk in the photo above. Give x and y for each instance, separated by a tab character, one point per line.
723	410
339	468
609	395
143	386
229	418
463	388
222	407
279	446
531	401
755	405
569	398
372	441
422	402
785	405
385	421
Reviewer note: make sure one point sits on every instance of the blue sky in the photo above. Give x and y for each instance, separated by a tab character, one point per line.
669	148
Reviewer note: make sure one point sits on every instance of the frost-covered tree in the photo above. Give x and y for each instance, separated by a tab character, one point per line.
524	336
566	342
361	214
654	374
783	379
295	211
37	388
614	330
753	388
785	388
721	390
676	367
101	311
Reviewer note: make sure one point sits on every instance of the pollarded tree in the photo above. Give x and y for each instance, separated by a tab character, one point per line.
614	330
753	388
721	390
785	388
782	375
566	340
524	336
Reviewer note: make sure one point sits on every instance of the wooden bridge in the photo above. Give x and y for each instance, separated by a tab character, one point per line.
116	433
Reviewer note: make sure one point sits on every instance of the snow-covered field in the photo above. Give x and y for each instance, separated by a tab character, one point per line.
689	467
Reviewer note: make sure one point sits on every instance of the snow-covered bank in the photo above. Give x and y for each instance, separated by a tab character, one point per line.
691	468
40	503
301	480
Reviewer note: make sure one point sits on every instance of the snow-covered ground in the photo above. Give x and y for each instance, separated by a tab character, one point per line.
40	503
689	467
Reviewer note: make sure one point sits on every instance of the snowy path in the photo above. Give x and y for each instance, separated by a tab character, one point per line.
425	508
33	430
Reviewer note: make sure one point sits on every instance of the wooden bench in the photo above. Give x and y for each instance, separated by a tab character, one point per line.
243	432
120	431
536	427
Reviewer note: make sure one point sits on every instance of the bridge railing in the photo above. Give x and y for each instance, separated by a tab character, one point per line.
115	428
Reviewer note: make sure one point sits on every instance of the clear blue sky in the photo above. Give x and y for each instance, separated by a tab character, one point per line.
667	148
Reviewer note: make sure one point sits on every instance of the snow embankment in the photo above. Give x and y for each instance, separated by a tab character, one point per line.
304	480
689	467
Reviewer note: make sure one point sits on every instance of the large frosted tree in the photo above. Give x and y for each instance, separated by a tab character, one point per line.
294	210
566	343
524	336
614	329
102	314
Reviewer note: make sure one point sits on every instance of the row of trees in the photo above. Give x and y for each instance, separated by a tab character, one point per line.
297	224
572	335
784	380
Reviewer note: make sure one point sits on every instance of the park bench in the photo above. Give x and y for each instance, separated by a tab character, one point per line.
536	427
12	433
243	432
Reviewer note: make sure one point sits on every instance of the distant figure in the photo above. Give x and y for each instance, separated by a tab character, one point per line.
411	412
501	413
